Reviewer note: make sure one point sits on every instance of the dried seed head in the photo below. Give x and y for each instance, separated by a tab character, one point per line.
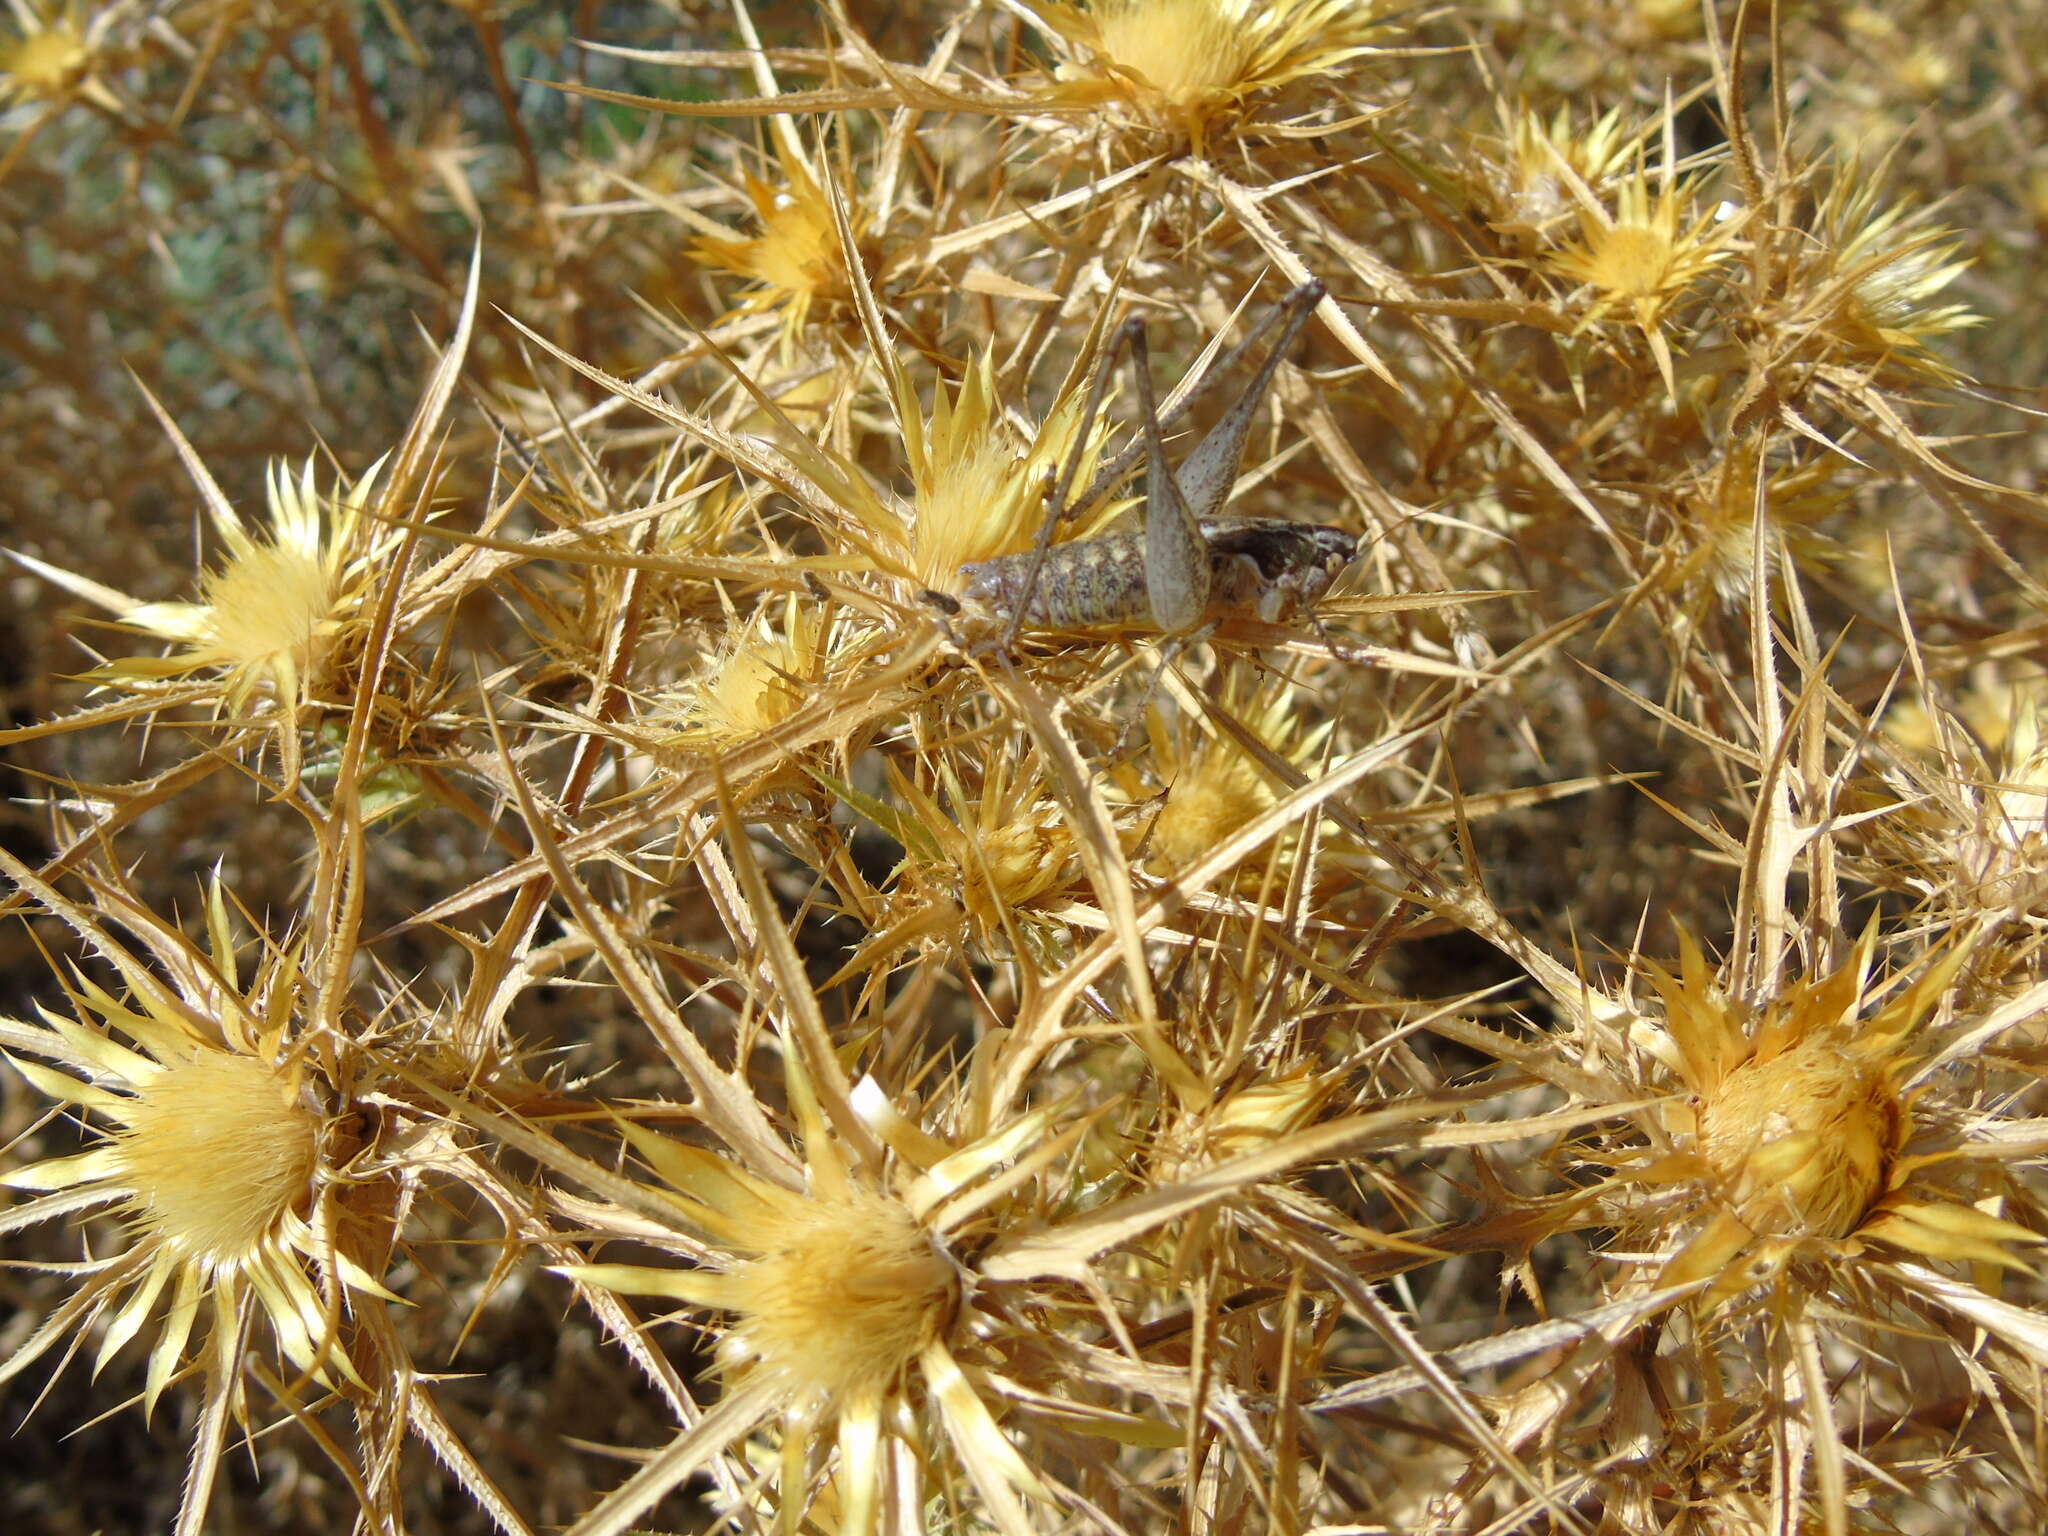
1190	66
1642	259
46	62
758	682
1218	792
1186	51
1015	863
1527	183
846	1291
795	262
978	494
1188	1142
1217	788
212	1150
1799	1142
217	1151
1867	281
1979	831
1712	548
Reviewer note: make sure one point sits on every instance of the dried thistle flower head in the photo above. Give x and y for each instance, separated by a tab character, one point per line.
1193	67
1798	1137
1712	548
763	676
213	1155
999	852
267	611
841	1298
975	491
795	262
50	57
1196	1136
843	1291
271	614
215	1149
978	494
1530	182
1216	788
1643	257
1878	272
1972	833
1920	69
1795	1136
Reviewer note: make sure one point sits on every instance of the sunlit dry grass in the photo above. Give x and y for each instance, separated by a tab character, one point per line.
562	979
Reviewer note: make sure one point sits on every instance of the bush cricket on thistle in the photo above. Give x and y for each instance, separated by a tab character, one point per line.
1189	565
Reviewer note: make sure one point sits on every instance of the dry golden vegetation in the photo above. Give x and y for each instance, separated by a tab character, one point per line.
571	968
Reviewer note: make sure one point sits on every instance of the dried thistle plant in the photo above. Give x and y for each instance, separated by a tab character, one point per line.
1524	1014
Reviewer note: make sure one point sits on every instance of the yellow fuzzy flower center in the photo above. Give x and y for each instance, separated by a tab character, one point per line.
44	64
1802	1141
217	1151
845	1293
1185	49
268	604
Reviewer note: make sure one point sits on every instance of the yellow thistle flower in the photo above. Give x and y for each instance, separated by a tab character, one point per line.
213	1152
977	492
979	479
1001	855
1531	182
269	616
1007	847
1924	72
761	678
1197	1134
1971	830
50	59
1712	548
1193	67
841	1296
1919	69
1643	257
1794	1139
795	263
1874	279
1215	789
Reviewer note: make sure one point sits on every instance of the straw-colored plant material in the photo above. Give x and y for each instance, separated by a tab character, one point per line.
1147	765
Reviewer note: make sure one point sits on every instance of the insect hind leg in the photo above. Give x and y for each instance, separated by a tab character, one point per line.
1176	554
